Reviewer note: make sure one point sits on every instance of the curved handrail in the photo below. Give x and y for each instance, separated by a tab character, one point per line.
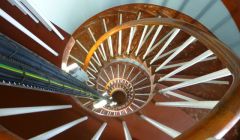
227	113
5	134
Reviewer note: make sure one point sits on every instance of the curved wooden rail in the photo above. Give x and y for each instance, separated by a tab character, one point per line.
7	135
227	113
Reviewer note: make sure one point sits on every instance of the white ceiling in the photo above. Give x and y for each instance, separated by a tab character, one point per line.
70	14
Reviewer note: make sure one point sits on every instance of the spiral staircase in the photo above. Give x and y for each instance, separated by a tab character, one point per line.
162	74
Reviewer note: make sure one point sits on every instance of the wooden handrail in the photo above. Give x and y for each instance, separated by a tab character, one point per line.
227	113
7	135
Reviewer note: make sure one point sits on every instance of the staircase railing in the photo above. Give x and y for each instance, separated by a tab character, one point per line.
227	113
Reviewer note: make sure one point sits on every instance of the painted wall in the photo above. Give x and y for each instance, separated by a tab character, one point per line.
70	14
